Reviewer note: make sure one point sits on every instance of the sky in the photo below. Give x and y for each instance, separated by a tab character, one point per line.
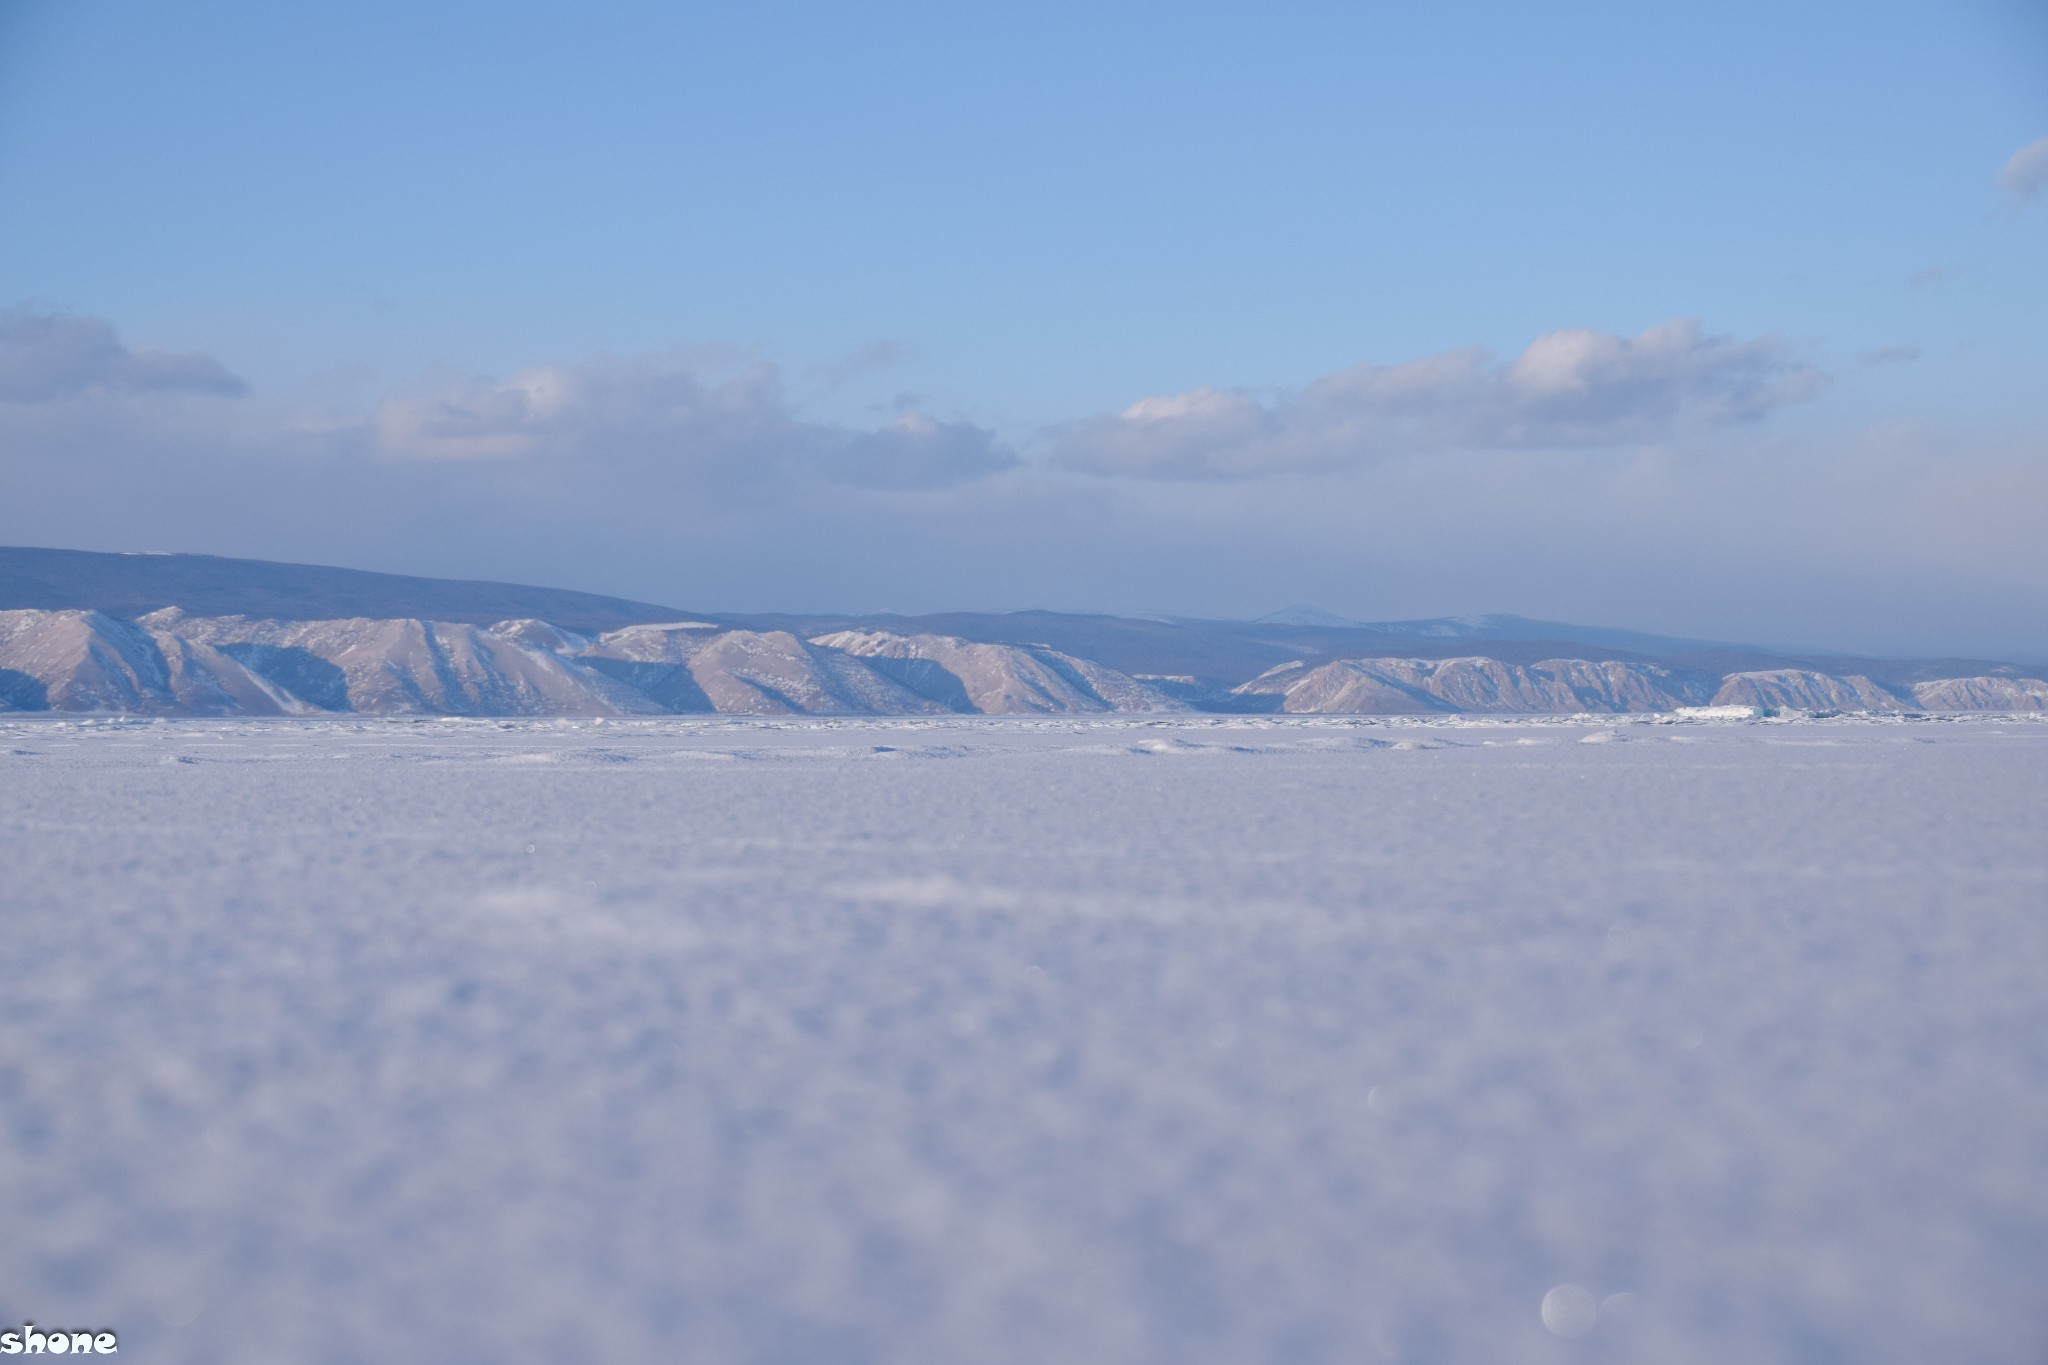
1729	321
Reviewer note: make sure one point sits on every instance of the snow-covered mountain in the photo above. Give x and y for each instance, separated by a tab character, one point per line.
130	584
1565	686
168	662
406	667
749	672
1420	686
88	661
1799	689
998	680
1497	627
1982	694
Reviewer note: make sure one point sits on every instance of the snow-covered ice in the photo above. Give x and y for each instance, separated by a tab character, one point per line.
907	1041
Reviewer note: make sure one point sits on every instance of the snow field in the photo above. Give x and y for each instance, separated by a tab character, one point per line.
1202	1040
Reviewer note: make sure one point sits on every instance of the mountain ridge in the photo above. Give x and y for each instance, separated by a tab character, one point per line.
170	662
1187	660
130	584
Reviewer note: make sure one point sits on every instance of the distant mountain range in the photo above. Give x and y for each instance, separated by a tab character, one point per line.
167	634
1497	628
135	584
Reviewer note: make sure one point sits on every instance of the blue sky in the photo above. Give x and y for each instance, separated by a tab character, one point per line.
1197	308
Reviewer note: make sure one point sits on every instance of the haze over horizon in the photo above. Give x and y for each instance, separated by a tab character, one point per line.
1719	324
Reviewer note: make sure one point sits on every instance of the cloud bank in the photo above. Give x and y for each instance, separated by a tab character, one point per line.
614	413
48	356
1577	388
1573	388
1591	477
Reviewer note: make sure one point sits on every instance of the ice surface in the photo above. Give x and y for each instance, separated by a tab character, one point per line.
1246	1039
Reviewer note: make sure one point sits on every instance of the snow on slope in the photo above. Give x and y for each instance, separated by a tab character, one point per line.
544	635
1982	694
87	661
410	667
1287	1040
651	659
672	643
999	680
694	666
172	663
208	681
772	672
1418	686
1804	690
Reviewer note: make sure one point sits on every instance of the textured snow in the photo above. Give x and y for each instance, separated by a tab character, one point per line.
1250	1039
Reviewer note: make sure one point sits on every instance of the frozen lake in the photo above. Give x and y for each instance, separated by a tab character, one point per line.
979	1042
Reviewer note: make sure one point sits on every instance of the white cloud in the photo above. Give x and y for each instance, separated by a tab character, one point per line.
47	356
470	418
1569	388
691	479
915	451
868	359
2026	175
625	408
614	413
